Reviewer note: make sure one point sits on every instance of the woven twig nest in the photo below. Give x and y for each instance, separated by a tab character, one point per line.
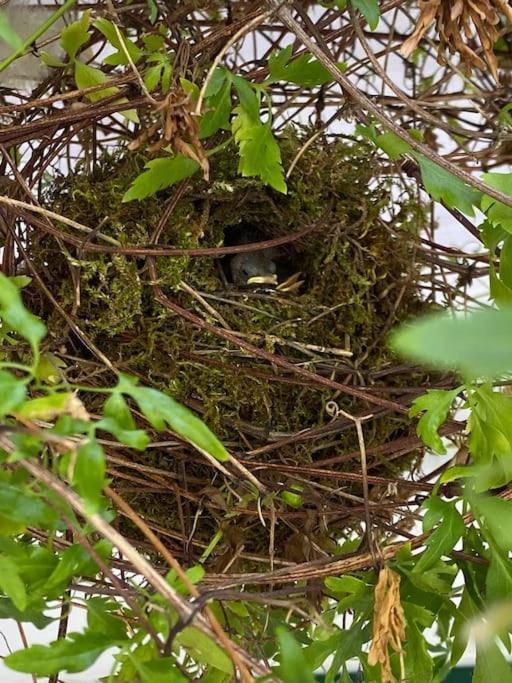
356	259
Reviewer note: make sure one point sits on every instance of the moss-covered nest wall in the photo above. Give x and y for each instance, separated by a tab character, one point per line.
359	278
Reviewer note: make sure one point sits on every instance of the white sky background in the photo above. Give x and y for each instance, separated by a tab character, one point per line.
449	233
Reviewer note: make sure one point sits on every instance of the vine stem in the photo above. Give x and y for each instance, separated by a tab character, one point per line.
41	30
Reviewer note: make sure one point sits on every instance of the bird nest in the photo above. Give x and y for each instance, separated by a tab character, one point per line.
278	372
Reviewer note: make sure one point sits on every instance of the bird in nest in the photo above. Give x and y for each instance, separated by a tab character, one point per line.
260	267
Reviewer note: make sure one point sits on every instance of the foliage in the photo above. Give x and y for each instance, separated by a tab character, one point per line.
62	439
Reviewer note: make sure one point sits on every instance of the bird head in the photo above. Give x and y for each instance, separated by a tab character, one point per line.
254	268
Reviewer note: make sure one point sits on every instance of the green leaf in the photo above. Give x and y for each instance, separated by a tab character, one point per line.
466	612
478	345
248	97
218	79
14	313
11	583
75	35
447	188
152	77
8	34
25	507
491	665
119	421
498	214
260	155
163	670
293	665
101	620
304	70
47	407
506	262
159	174
75	561
123	45
498	581
161	411
498	290
31	615
370	11
418	662
76	652
434	405
48	369
86	76
345	584
444	538
204	649
89	473
50	60
392	145
217	118
12	393
496	518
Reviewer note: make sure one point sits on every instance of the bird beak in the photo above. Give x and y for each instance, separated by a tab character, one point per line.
262	280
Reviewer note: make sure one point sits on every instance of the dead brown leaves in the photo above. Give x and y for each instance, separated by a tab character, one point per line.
177	128
388	623
460	24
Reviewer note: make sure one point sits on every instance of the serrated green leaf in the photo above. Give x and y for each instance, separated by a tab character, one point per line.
89	473
293	665
260	155
152	77
218	110
483	346
434	405
75	35
161	411
248	97
14	313
159	174
370	11
444	538
447	188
